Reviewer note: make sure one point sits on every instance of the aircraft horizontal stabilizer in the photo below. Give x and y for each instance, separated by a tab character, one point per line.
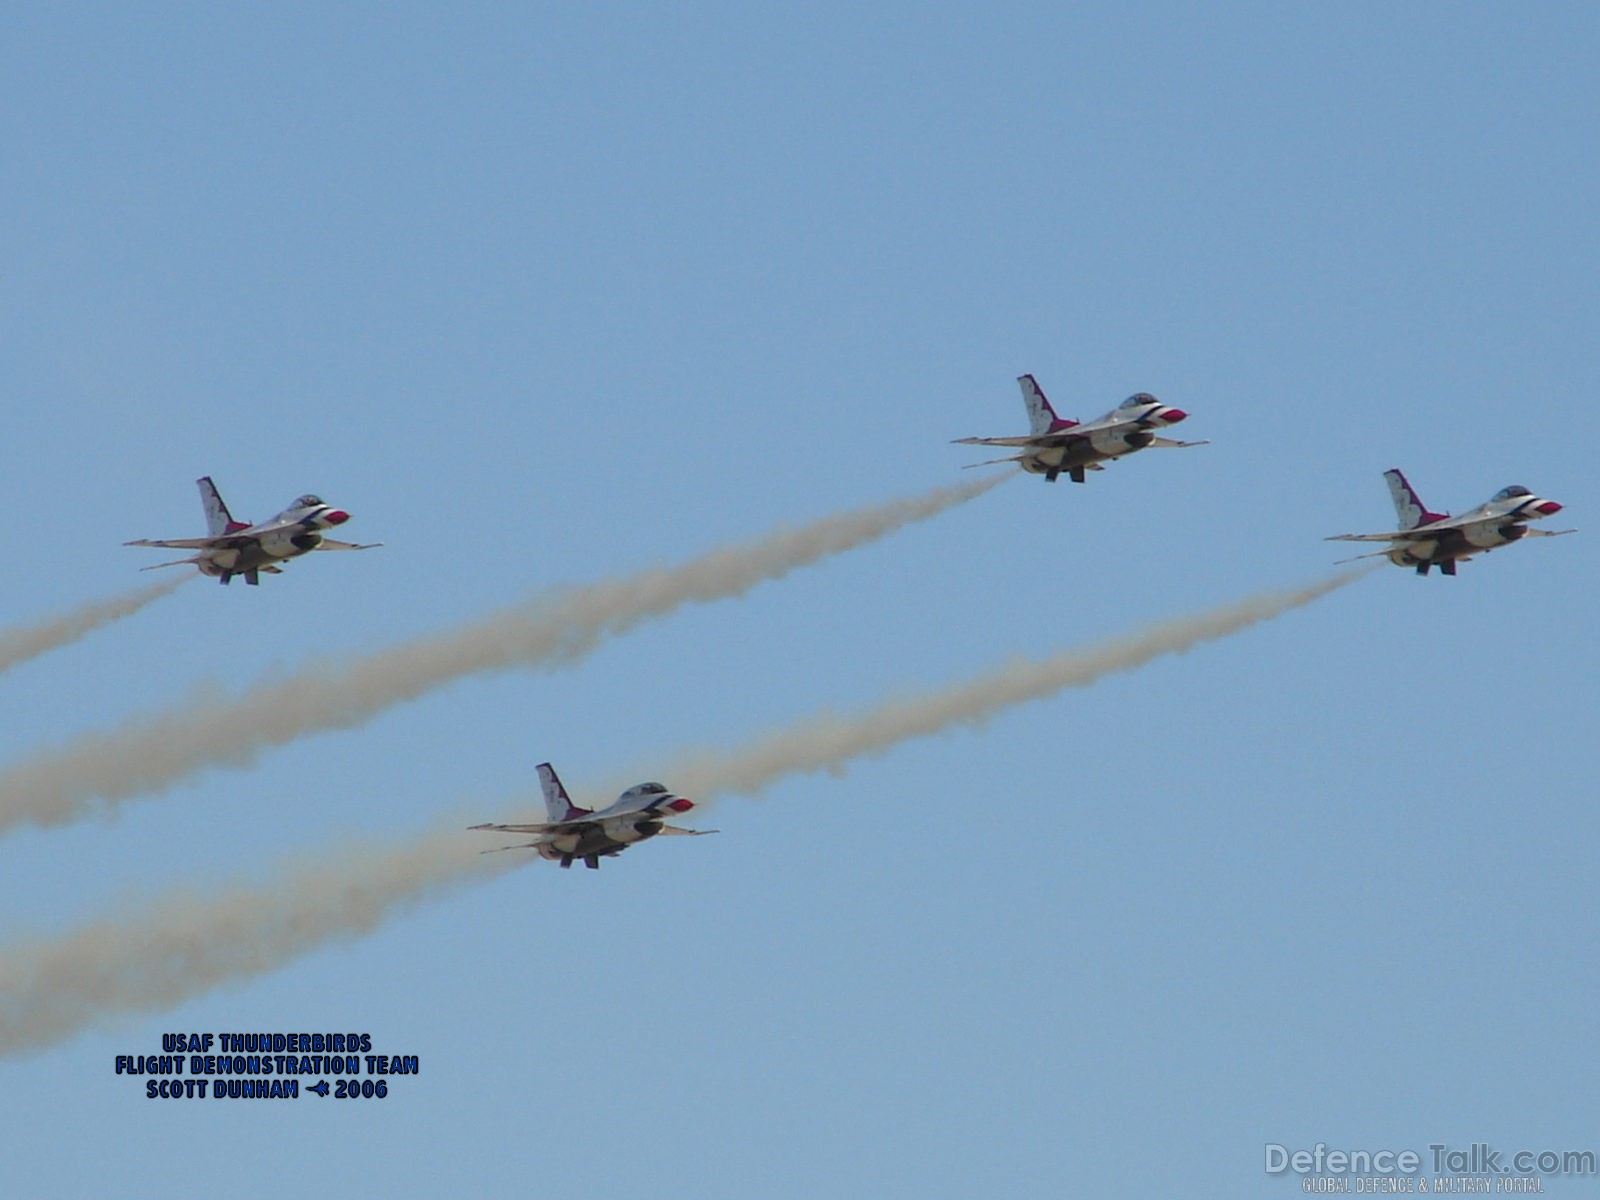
533	845
989	462
1359	557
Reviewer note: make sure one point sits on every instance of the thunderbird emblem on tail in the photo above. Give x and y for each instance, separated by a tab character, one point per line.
1427	538
573	832
236	548
1056	445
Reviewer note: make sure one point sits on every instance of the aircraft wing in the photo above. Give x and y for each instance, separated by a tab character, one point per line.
1056	438
1171	444
1109	421
685	832
272	526
1420	533
1424	533
1402	535
549	827
330	544
544	833
1005	441
205	543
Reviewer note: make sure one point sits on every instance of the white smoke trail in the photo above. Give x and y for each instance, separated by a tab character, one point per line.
185	944
29	641
826	742
153	958
151	753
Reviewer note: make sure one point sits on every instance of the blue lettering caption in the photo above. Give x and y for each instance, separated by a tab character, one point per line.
266	1066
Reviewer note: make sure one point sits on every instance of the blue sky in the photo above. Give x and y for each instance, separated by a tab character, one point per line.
545	297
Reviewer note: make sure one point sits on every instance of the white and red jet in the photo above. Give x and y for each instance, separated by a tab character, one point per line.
571	832
1056	445
1427	538
235	548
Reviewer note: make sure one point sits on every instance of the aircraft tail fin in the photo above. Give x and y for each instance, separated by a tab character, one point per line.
1041	417
557	803
1408	506
219	520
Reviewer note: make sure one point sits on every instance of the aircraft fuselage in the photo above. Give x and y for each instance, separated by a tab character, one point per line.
603	841
256	553
1455	545
1080	453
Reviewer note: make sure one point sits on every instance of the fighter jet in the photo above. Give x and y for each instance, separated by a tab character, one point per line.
1056	445
235	548
1428	538
573	832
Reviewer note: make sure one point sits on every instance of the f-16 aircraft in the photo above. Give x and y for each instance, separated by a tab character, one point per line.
1428	538
1056	445
235	548
573	832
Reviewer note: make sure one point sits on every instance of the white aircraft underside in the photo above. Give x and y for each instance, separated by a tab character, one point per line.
1056	446
1437	539
571	833
236	548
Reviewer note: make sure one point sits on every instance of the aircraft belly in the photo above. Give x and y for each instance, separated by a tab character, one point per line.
1448	547
1453	546
283	544
1488	537
1083	453
246	558
1062	458
589	841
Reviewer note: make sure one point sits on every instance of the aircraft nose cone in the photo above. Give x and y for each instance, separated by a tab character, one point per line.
335	516
680	805
1173	415
1549	508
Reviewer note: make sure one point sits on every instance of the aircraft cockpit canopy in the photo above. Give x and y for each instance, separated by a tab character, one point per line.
1139	400
1512	492
308	501
646	789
